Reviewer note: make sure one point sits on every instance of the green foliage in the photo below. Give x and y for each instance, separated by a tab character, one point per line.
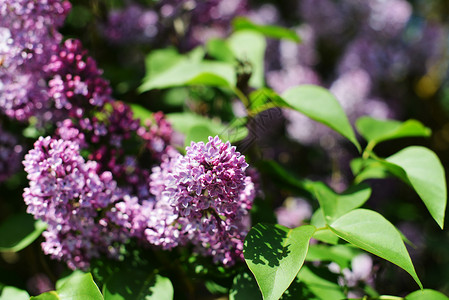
136	285
423	171
188	70
334	205
320	286
80	286
244	286
320	105
276	258
376	131
241	23
370	231
10	292
426	294
19	231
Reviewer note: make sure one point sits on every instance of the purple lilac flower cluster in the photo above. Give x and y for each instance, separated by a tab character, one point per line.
75	82
69	194
105	136
28	31
205	197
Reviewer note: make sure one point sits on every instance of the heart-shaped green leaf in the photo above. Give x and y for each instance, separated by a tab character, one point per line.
275	254
371	232
423	170
320	105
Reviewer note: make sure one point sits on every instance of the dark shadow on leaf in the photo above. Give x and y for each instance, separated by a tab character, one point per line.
264	245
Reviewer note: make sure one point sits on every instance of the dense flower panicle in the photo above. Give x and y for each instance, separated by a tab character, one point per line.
209	193
69	194
11	154
28	31
75	82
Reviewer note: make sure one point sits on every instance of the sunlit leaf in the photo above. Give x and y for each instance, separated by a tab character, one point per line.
10	292
275	254
320	105
335	205
371	232
319	286
426	294
423	170
376	131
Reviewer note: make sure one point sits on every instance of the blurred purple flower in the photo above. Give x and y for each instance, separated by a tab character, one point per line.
28	32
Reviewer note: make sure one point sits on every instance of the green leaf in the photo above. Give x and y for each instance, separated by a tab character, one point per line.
319	286
183	122
61	281
47	296
136	285
241	23
263	99
80	287
376	131
424	172
368	169
426	294
335	205
371	232
199	133
77	286
10	292
161	60
249	46
323	235
190	70
275	254
19	231
244	287
220	50
320	105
